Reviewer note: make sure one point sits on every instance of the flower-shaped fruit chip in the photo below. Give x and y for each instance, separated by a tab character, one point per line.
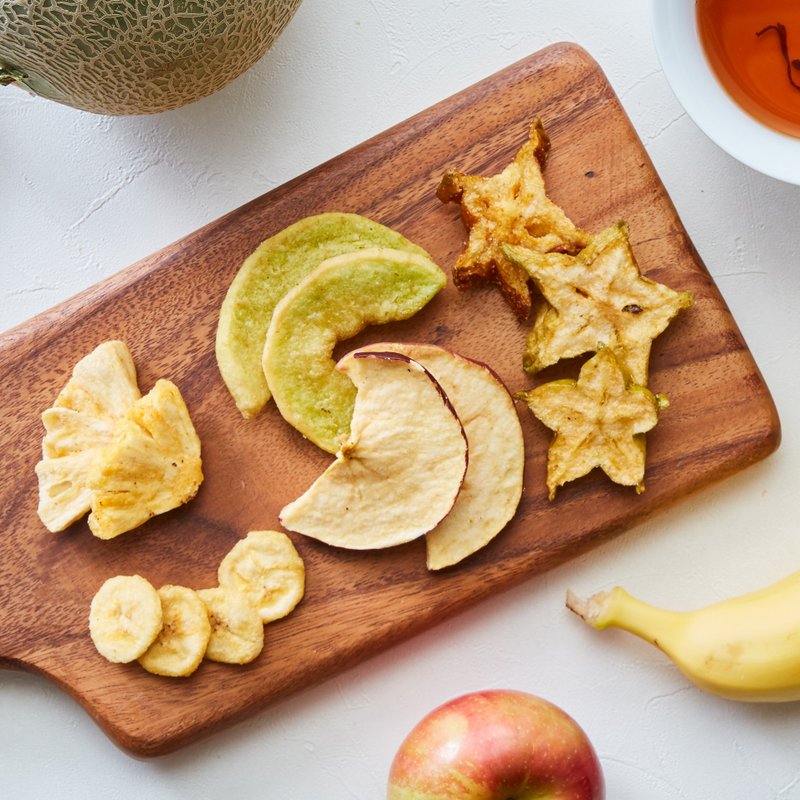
511	207
151	466
599	421
597	298
82	421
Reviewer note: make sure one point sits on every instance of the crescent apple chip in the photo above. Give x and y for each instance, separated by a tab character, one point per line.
492	486
400	470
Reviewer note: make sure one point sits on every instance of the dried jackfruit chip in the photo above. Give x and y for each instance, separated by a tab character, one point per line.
81	421
511	207
152	465
599	421
596	299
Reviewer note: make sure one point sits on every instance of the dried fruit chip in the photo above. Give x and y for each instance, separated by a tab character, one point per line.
278	264
340	298
268	570
80	422
493	483
181	644
125	618
599	421
597	299
511	207
152	465
237	633
401	469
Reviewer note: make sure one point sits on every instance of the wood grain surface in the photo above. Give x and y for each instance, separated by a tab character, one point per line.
721	417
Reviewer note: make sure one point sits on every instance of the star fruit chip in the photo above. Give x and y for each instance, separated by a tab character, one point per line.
598	298
599	421
511	208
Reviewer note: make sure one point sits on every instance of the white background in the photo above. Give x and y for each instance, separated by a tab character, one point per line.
83	196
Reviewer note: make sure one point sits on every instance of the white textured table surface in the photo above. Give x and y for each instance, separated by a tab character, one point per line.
84	196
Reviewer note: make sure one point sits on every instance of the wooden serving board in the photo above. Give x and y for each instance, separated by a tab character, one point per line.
165	308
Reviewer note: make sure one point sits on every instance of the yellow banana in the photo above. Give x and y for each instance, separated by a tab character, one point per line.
744	648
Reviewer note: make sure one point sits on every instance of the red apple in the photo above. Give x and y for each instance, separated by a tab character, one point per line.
496	745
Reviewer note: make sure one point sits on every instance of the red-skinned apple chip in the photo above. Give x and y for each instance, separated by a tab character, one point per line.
401	468
492	486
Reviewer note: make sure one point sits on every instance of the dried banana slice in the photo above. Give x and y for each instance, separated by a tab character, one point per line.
152	465
237	633
82	420
125	618
266	568
186	629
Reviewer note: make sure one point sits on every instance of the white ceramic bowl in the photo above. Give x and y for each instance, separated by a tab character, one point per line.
708	104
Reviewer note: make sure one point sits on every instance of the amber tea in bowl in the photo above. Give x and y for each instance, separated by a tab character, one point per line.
753	47
733	66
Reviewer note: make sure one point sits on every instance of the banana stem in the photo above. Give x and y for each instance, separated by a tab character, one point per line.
618	609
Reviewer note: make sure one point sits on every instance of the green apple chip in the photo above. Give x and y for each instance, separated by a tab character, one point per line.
278	264
339	299
599	421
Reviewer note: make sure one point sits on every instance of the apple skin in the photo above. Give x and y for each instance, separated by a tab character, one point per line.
496	745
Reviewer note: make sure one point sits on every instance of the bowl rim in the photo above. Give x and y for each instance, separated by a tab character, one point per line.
692	80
